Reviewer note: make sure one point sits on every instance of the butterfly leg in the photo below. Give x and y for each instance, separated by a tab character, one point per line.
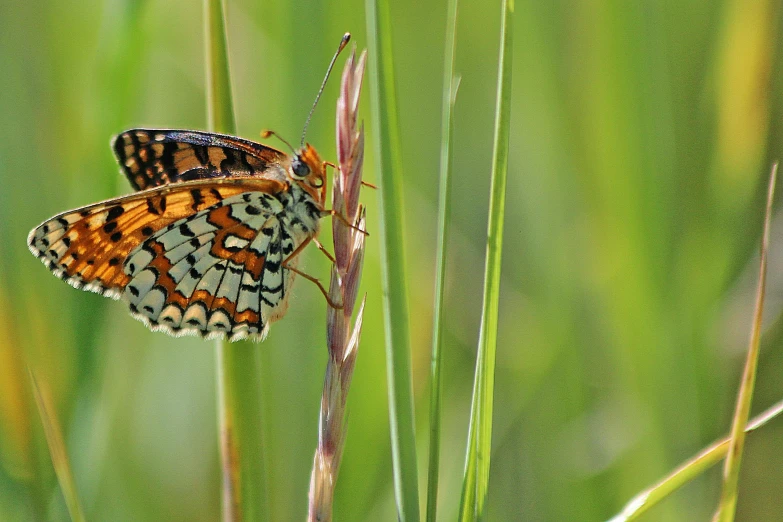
308	276
326	252
332	212
368	185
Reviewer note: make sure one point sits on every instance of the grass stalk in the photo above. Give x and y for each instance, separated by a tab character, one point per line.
238	364
342	338
688	471
450	85
727	505
220	104
386	135
57	451
473	504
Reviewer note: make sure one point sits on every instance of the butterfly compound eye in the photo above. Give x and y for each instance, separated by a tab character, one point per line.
299	167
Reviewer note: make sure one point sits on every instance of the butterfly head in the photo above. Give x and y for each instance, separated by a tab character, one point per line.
307	170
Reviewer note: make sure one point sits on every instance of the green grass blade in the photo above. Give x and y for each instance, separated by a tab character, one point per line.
450	85
689	470
56	444
238	364
727	505
220	108
241	441
386	136
476	480
468	508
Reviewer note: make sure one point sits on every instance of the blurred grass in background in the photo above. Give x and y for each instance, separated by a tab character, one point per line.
641	138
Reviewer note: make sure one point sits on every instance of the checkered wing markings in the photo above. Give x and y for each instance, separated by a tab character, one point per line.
151	158
216	272
87	247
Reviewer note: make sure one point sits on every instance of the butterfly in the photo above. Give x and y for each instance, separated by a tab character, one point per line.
209	243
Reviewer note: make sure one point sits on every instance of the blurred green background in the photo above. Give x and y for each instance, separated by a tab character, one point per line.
642	136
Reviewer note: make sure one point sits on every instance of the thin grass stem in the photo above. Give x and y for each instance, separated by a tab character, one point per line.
476	479
238	364
450	85
727	505
56	444
386	134
220	104
688	471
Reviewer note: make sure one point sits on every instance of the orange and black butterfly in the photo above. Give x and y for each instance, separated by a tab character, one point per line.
208	245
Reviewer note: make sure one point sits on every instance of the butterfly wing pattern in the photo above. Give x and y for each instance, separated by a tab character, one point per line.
205	251
154	157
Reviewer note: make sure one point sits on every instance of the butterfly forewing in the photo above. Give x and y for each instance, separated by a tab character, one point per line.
195	257
151	158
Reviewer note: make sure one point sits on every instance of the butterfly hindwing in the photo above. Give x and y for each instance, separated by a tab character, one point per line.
155	157
114	248
216	272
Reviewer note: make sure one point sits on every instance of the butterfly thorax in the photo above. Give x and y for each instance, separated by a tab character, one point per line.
301	212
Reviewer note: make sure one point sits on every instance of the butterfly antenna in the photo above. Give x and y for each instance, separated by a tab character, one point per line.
267	133
343	43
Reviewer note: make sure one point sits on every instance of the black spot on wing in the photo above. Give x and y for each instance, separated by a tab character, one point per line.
201	154
114	213
272	289
185	230
230	162
152	208
272	266
198	198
